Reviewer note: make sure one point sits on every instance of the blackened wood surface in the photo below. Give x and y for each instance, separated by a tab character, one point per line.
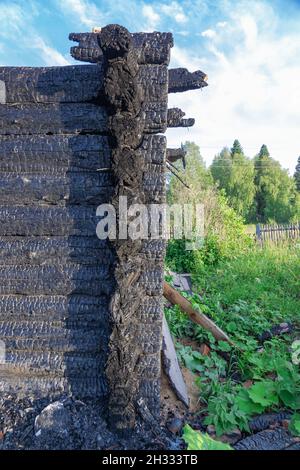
74	84
175	118
66	118
181	79
57	154
55	275
150	48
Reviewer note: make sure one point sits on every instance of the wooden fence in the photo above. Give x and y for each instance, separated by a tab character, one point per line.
277	233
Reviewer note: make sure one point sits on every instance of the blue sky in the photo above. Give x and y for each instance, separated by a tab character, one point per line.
249	49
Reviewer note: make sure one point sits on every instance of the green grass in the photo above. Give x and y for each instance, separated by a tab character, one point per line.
268	279
245	296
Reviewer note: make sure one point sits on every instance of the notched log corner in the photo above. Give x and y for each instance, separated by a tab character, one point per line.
181	80
150	48
175	118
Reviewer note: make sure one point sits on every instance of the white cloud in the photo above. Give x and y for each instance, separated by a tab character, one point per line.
253	92
249	27
50	55
175	11
18	31
152	17
83	11
208	33
11	19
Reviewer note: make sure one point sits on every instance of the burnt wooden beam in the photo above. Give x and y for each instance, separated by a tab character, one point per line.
56	154
74	188
57	279
74	84
67	118
175	118
47	220
150	48
24	251
72	309
181	80
54	387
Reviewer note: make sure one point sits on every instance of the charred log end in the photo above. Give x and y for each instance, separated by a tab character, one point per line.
175	118
181	80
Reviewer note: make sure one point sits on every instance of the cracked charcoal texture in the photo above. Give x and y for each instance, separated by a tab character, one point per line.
181	79
175	118
79	315
134	351
149	48
75	84
66	118
276	439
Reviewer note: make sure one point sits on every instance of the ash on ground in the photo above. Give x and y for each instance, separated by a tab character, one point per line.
70	424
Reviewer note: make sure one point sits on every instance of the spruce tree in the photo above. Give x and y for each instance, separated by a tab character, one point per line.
264	152
236	149
261	162
234	173
297	175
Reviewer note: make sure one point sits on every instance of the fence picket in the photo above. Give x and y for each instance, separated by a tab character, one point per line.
277	232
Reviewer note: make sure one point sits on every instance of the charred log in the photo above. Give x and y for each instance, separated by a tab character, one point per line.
150	48
182	80
175	118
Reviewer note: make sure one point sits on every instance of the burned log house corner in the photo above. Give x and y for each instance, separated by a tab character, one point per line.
79	315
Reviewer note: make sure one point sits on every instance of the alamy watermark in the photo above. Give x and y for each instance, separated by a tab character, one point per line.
2	352
152	222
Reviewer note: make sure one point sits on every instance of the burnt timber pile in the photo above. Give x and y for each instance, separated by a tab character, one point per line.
81	316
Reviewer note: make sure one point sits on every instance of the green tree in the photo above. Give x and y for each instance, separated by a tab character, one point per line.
297	175
236	149
234	173
196	176
276	199
261	162
221	167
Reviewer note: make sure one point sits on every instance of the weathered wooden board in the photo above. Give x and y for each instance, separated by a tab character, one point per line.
68	118
151	48
74	84
171	365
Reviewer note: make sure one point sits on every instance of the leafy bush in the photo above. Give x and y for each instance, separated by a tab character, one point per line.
245	296
225	238
198	441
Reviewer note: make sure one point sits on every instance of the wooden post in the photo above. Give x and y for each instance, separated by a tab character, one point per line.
177	299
